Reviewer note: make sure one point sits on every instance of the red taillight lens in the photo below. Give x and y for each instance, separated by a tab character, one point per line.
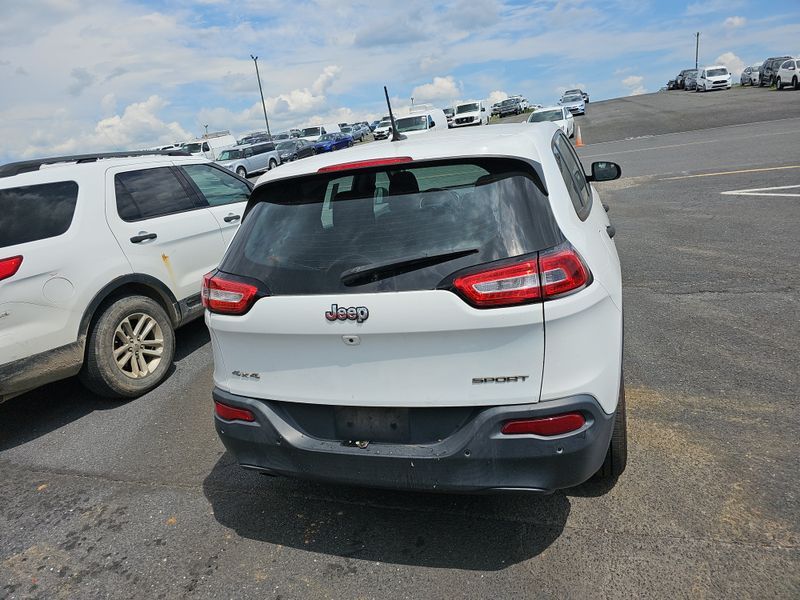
562	270
228	297
505	286
556	272
9	266
231	413
555	425
363	164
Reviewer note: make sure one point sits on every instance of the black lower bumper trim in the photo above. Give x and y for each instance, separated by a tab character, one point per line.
475	458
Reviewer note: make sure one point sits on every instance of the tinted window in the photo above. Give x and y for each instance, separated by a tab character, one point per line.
36	212
150	193
302	234
573	174
216	185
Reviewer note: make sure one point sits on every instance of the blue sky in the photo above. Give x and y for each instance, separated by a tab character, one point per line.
84	75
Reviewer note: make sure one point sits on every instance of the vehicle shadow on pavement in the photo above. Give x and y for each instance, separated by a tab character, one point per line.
52	406
481	533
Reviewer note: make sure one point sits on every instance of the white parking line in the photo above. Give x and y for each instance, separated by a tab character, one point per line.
737	172
769	191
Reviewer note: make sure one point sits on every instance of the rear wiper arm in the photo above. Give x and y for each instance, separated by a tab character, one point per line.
390	268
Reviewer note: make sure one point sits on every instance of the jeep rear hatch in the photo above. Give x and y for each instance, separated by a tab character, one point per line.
395	285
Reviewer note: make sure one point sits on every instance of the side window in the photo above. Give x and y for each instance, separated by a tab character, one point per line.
150	193
269	147
574	176
216	185
260	149
36	212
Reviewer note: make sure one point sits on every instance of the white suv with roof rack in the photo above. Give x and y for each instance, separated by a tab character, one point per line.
101	258
379	318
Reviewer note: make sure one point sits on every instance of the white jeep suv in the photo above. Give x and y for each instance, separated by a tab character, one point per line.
101	258
441	314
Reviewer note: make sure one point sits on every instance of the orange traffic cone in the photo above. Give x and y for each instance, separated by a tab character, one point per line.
578	139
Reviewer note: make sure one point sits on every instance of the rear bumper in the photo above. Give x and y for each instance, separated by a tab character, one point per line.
476	457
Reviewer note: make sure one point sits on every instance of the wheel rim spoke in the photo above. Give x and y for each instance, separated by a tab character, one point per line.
151	351
119	351
151	323
121	362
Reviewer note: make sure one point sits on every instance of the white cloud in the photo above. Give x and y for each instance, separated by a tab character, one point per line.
441	88
734	22
138	126
734	64
326	79
634	85
497	96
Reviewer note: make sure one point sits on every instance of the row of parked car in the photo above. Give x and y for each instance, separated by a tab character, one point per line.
780	71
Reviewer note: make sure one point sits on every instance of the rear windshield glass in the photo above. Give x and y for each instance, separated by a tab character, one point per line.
300	235
546	115
36	212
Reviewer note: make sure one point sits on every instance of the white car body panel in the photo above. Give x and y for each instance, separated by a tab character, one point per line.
423	348
188	245
418	348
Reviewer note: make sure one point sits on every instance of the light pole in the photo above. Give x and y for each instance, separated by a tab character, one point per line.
206	126
412	101
696	50
261	91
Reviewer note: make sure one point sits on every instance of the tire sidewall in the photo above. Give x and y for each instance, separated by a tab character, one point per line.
241	172
103	371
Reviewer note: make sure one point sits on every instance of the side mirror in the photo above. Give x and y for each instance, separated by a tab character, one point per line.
605	171
433	123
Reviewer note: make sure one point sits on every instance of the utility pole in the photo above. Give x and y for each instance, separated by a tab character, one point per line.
206	126
696	50
412	101
261	91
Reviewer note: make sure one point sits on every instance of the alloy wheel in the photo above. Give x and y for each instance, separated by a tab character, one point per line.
138	345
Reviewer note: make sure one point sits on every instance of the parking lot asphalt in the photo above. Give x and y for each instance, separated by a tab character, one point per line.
139	499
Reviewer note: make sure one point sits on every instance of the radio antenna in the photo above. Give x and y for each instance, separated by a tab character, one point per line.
395	135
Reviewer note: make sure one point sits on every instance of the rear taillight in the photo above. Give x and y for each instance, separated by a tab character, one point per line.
562	271
515	284
226	296
231	413
547	426
9	266
554	273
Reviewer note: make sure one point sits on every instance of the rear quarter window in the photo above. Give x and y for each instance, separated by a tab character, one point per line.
36	212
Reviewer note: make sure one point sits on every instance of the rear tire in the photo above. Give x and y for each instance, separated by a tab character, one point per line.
272	165
778	84
135	328
241	172
617	455
795	83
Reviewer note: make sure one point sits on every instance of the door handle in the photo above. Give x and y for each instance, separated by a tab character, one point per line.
611	231
232	217
143	236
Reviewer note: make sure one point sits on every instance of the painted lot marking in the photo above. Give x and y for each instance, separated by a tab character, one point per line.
769	191
759	170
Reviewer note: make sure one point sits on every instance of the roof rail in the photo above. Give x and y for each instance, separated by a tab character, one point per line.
26	166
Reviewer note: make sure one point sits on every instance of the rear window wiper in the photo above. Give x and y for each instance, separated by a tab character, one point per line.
390	268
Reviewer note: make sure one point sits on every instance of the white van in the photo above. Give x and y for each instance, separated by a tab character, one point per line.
312	133
715	77
210	145
470	113
421	121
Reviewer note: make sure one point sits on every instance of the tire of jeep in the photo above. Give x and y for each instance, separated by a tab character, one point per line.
617	455
129	349
241	172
